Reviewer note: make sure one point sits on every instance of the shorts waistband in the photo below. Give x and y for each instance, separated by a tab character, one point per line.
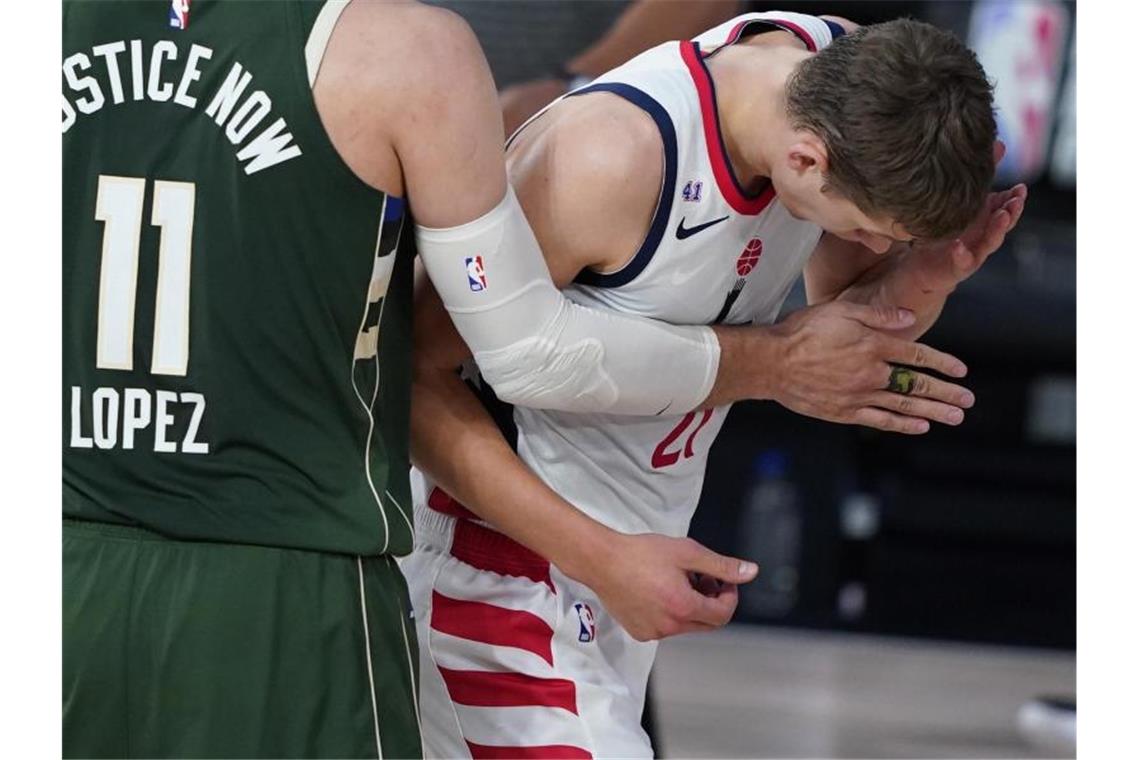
114	530
123	532
479	546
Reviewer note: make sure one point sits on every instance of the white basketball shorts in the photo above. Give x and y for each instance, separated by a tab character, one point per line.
516	659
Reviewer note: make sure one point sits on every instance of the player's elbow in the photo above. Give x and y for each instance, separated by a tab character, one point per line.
541	373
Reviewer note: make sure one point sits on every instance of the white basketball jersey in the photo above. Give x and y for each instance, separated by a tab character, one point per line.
713	255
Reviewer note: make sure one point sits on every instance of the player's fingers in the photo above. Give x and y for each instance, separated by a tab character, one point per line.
998	225
881	419
934	389
695	627
715	610
922	355
727	569
999	151
990	238
915	406
1016	206
876	316
963	259
994	201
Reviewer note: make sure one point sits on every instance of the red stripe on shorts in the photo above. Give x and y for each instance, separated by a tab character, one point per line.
486	623
477	688
444	503
550	751
486	549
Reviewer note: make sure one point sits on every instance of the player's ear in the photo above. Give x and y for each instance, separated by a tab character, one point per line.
807	154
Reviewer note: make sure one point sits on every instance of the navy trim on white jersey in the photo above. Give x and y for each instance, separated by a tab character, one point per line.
837	31
714	114
657	228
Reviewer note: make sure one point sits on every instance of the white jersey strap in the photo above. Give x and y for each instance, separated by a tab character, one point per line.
816	33
319	37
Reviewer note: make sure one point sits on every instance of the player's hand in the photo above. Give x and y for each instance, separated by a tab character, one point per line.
657	586
938	267
834	363
924	275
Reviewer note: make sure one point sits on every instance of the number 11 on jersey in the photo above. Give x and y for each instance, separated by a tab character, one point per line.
119	205
116	416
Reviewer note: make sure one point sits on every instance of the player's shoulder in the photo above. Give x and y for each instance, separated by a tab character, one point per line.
607	141
407	46
593	170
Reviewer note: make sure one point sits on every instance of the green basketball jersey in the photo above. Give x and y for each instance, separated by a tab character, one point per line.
236	302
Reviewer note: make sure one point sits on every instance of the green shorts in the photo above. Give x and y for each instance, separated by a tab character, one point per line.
196	649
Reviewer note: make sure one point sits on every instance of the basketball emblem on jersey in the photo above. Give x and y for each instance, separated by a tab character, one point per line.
179	14
586	628
749	257
692	191
476	276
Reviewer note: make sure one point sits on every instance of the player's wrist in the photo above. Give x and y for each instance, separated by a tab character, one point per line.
579	551
751	363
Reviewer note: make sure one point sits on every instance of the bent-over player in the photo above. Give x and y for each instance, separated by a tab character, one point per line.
239	186
693	185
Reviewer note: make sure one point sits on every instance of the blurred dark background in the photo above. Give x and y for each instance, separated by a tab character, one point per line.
966	533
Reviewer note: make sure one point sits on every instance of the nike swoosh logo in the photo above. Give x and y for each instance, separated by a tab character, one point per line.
684	232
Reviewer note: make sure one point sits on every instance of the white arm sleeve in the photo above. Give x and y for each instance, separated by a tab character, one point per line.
537	348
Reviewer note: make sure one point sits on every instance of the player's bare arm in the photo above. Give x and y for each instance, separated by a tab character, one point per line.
919	277
916	275
922	276
646	587
644	582
601	160
434	137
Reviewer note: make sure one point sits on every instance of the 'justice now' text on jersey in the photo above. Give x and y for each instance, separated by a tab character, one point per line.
168	73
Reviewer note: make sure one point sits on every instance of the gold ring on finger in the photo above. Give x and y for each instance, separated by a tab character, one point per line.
902	380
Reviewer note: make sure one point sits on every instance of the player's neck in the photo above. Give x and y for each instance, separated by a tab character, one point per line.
750	86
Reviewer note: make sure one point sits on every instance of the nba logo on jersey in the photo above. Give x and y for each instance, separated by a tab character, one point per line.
586	628
179	14
476	277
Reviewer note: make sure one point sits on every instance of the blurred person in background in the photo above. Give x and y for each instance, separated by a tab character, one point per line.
540	49
646	159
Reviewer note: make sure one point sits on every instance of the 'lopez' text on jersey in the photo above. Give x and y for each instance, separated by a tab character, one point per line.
110	418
